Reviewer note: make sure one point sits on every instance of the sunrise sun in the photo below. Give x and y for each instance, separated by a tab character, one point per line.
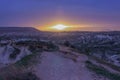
56	28
59	27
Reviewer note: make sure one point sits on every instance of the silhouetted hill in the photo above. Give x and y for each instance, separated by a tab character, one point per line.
18	29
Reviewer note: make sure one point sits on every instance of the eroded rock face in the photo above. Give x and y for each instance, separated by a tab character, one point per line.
4	53
13	51
11	54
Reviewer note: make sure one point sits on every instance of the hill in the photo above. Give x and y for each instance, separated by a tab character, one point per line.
18	30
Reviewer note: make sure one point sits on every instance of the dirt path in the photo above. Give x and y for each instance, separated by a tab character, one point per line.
65	64
56	67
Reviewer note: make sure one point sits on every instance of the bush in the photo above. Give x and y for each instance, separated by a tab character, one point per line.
51	47
27	60
67	43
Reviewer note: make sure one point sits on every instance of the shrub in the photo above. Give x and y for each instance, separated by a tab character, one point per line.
27	60
67	43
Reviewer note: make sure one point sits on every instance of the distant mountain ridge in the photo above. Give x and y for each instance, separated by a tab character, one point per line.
18	29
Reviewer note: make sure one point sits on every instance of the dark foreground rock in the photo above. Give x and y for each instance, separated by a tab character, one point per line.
25	76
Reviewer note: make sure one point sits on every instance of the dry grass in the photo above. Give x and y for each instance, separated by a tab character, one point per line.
102	71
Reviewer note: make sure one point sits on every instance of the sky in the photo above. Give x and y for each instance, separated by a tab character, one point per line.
80	14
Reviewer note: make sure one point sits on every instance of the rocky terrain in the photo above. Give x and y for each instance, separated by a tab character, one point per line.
59	56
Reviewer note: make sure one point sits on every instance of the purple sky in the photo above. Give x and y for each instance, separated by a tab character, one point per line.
96	13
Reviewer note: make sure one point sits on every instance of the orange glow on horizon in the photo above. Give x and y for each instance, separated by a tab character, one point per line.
56	28
67	26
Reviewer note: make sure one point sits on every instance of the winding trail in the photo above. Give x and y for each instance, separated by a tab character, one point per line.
65	64
54	66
